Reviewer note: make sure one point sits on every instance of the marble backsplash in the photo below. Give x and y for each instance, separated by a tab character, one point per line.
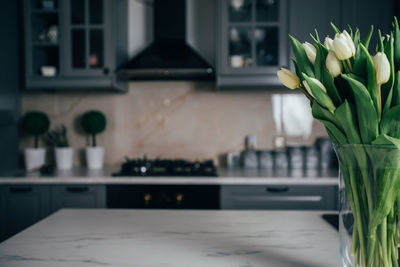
164	119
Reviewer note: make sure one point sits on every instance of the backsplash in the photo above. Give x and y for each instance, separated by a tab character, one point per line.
164	119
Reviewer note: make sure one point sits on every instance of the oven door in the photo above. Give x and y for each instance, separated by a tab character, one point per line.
163	196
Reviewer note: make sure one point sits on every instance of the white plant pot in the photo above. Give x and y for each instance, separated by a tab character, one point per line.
95	157
64	158
34	158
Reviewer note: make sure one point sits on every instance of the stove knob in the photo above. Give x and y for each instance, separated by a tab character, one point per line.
147	198
179	199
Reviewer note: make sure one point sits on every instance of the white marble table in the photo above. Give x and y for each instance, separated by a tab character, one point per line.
163	238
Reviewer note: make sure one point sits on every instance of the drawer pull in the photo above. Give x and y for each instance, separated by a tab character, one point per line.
20	189
80	189
277	189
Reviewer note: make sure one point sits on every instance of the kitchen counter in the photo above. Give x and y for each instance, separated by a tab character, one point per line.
155	238
226	177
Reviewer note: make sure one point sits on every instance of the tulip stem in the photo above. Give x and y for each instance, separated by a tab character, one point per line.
380	101
307	94
349	64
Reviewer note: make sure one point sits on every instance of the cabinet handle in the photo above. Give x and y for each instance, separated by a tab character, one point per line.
277	189
20	189
77	189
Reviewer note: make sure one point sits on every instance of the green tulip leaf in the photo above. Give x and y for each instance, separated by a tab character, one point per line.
396	90
366	113
367	39
329	82
344	114
396	35
335	28
330	123
390	123
380	42
371	79
387	87
320	96
384	139
302	60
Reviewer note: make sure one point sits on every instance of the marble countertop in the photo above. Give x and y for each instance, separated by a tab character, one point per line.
226	176
166	238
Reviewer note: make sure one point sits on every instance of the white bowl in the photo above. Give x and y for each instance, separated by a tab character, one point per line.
48	71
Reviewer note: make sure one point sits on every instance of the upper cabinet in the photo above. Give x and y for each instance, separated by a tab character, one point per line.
74	44
252	41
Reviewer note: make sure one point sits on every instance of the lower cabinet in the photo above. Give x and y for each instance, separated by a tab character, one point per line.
279	197
77	196
22	206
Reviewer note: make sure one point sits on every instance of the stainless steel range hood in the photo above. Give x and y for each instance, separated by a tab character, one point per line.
169	57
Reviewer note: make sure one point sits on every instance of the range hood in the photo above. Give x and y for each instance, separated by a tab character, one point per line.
169	57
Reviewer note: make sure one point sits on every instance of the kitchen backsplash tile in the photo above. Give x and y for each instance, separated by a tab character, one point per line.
165	119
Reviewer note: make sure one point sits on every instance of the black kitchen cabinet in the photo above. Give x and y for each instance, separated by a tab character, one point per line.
22	206
252	41
279	197
74	44
77	196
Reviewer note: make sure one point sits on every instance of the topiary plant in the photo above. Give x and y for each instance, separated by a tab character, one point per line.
93	123
35	123
58	137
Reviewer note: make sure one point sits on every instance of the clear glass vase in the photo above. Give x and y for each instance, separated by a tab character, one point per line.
369	209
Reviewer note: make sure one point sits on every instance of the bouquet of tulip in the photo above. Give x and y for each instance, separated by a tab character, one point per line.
356	96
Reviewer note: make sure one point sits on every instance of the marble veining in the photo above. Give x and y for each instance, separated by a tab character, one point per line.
155	238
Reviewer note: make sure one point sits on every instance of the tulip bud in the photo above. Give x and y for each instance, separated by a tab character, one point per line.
288	78
311	51
317	82
328	43
350	42
382	68
333	64
343	46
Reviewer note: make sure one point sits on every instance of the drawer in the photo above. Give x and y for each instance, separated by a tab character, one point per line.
284	197
77	196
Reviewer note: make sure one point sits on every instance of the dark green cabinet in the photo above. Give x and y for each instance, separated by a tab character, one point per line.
279	197
22	206
77	196
252	41
75	44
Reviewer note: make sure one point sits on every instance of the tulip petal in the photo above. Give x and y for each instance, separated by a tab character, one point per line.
319	93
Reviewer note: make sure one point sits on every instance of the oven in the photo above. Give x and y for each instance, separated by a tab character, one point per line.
163	196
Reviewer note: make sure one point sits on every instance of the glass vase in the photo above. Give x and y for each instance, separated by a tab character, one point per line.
369	210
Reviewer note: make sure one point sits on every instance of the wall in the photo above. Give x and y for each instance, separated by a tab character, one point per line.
165	119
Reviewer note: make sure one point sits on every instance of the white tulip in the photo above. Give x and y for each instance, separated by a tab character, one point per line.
343	46
333	64
288	78
382	68
328	43
317	82
311	51
350	42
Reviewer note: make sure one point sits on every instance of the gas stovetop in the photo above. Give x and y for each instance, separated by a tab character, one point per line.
167	167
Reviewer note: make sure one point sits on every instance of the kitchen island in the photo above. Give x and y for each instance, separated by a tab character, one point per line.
155	238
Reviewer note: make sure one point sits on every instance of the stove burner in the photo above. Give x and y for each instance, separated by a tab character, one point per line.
165	167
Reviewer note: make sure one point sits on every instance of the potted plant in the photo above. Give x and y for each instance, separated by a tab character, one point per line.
35	123
93	123
64	153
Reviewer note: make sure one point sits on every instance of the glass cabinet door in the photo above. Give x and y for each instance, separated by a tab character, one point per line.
254	41
86	37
